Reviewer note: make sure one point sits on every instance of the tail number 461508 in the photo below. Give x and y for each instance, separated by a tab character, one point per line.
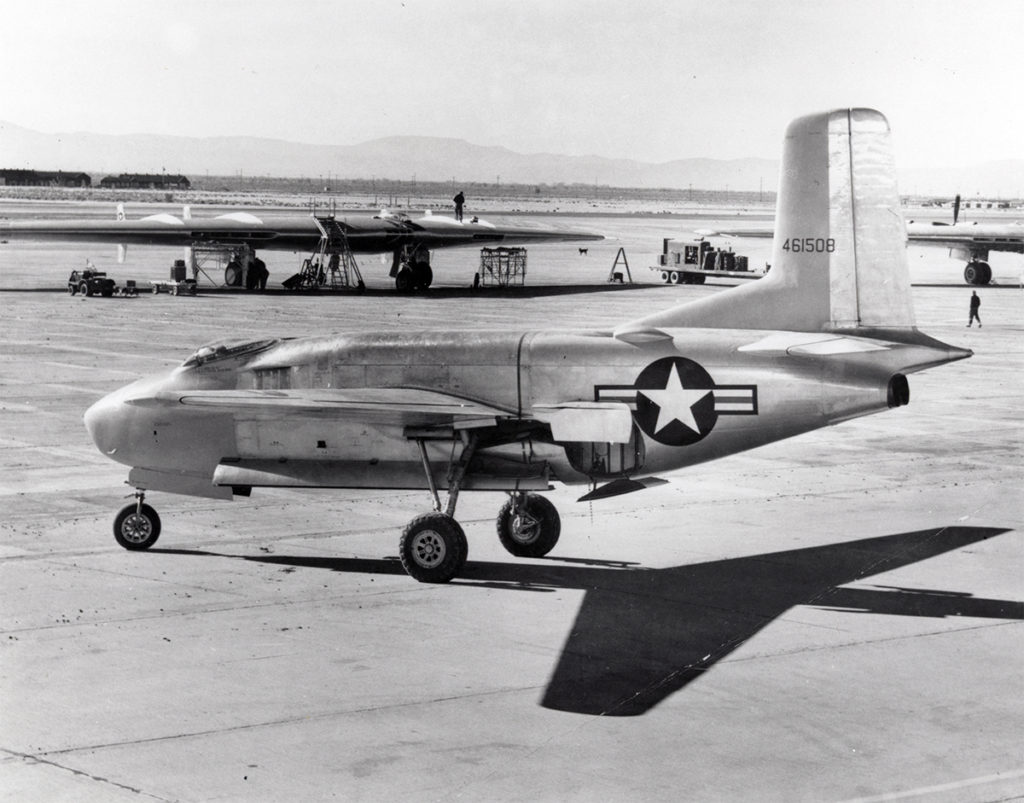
809	245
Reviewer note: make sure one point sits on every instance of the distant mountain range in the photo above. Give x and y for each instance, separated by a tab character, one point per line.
437	159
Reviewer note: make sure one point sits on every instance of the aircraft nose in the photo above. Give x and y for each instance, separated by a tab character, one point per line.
102	422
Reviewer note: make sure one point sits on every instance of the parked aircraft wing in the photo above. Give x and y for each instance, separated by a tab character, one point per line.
981	236
297	232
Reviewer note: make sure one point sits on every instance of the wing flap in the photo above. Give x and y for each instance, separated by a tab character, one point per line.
601	422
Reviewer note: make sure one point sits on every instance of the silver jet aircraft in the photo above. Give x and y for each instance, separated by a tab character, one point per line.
827	336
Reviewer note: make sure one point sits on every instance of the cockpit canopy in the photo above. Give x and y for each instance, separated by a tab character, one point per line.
227	349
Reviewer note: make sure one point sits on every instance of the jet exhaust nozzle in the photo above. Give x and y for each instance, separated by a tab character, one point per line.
899	391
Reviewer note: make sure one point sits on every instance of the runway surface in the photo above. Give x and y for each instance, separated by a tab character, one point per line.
836	617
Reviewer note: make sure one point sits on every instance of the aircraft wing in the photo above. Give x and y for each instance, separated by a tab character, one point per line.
759	232
969	237
569	421
978	236
370	234
399	406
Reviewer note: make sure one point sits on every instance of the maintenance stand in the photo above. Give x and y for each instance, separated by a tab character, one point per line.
501	267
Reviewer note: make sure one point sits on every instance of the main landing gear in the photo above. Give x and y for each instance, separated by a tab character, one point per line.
977	272
433	547
410	268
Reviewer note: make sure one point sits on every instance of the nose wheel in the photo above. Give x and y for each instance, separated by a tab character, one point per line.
137	526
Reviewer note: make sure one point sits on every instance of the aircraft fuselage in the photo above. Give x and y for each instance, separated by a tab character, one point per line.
692	398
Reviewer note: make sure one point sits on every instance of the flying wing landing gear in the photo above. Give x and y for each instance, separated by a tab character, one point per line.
410	268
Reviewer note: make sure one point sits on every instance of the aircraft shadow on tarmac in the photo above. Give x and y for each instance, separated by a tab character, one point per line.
642	634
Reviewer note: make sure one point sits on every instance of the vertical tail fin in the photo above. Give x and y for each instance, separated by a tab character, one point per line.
839	255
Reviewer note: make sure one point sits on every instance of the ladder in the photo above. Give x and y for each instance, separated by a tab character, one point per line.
616	276
336	267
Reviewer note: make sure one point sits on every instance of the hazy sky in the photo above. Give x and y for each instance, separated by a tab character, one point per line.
633	78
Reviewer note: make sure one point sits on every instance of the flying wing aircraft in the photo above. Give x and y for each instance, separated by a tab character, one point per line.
827	336
408	238
971	242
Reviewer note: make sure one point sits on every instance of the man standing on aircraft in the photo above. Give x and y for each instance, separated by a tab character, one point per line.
459	199
975	303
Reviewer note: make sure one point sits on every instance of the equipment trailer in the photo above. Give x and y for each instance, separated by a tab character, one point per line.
692	261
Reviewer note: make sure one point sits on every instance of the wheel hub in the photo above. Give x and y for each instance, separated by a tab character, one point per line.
428	549
136	528
525	528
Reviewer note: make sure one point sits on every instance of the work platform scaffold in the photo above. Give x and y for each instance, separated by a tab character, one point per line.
501	267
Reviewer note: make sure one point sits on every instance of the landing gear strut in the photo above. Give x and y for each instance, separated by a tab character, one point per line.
137	526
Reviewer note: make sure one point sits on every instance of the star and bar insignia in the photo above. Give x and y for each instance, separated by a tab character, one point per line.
676	402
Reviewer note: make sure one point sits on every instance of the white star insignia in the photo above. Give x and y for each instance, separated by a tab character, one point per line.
676	403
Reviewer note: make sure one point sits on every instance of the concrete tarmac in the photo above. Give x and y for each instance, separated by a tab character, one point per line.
836	617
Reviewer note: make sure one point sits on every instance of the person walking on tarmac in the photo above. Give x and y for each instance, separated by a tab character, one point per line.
975	303
459	199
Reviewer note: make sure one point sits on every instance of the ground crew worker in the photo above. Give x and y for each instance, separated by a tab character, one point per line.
459	199
258	274
975	303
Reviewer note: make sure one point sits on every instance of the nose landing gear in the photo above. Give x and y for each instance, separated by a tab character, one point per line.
137	526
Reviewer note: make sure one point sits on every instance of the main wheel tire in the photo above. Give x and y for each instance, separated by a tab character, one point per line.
532	530
433	548
423	275
972	273
233	275
984	273
137	527
404	281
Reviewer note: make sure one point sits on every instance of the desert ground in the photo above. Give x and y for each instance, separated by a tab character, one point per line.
836	617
